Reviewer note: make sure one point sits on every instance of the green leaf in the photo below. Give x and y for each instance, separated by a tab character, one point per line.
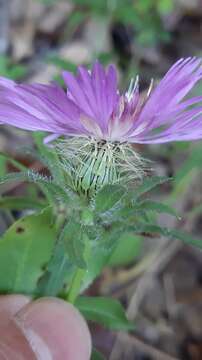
193	161
49	158
129	213
95	263
3	166
147	185
127	250
108	197
11	70
156	206
59	271
61	63
20	203
165	6
87	217
105	311
74	243
75	21
185	237
25	249
96	355
14	162
172	233
100	246
110	237
33	177
186	173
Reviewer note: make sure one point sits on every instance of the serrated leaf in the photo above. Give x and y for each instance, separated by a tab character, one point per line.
185	237
156	206
172	233
105	311
25	249
108	197
33	177
21	203
147	185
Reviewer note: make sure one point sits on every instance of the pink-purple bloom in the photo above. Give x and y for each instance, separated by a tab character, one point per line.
93	107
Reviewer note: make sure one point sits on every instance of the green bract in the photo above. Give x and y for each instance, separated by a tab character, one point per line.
92	164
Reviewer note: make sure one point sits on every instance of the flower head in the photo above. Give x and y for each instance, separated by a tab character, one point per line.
92	109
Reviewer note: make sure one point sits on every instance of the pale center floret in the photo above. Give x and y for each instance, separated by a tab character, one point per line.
121	123
133	88
118	125
117	128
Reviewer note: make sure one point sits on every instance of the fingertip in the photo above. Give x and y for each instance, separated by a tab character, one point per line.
10	305
56	329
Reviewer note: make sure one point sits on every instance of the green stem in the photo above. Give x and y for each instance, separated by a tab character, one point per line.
76	285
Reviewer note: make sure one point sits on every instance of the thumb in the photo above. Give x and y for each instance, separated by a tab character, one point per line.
46	329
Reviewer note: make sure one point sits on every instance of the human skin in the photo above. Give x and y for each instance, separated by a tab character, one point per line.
45	329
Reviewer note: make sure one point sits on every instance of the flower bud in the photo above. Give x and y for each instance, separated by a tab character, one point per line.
93	164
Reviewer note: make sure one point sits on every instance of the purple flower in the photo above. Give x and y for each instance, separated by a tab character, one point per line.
93	107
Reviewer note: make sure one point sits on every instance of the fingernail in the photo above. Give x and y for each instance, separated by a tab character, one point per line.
55	330
10	305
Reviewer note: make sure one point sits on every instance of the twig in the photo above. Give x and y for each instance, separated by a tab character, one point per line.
139	345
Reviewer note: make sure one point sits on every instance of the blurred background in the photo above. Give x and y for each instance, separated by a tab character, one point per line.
158	280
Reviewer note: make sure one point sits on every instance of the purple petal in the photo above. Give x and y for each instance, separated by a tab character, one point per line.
76	92
186	126
50	138
99	86
170	91
94	93
38	107
111	90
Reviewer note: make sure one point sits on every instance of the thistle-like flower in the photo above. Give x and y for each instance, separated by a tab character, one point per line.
97	124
